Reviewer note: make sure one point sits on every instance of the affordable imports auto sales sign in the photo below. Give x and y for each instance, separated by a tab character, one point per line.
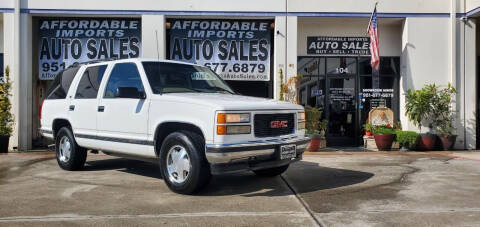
64	41
234	49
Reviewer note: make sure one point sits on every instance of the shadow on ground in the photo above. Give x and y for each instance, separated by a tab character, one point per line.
306	177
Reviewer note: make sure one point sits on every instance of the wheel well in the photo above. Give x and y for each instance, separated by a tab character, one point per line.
58	124
164	129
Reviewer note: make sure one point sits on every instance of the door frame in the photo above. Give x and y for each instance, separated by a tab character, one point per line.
349	141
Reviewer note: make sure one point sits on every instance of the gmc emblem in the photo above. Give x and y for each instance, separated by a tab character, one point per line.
278	124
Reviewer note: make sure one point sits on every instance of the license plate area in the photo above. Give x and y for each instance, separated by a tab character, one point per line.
288	151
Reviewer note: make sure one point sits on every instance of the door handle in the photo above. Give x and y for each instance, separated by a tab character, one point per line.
71	108
101	108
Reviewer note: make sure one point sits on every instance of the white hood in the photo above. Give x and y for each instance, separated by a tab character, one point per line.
221	101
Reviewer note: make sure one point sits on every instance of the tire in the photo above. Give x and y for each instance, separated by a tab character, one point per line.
271	172
183	165
69	155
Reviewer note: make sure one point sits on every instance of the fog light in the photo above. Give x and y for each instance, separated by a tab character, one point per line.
301	125
238	129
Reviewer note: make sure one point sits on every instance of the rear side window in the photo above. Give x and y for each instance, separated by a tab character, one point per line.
123	75
61	84
91	78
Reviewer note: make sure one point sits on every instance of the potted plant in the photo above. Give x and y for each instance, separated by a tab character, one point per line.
418	109
443	117
6	117
368	129
406	139
313	128
384	136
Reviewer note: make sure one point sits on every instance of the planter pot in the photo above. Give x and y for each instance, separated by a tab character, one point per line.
448	142
384	141
368	133
4	143
318	142
427	142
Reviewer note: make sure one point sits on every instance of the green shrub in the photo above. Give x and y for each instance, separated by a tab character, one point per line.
407	138
6	117
312	120
383	130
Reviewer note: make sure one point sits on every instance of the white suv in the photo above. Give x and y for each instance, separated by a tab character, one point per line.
183	116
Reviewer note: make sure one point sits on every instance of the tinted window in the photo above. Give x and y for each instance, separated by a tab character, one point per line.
167	77
123	75
61	84
91	78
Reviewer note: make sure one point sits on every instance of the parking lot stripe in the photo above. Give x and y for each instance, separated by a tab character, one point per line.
74	217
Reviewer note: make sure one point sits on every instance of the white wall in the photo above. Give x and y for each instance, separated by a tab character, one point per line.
390	6
9	60
472	4
425	56
1	33
389	32
153	36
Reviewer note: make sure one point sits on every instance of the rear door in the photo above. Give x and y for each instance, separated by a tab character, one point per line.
122	122
83	107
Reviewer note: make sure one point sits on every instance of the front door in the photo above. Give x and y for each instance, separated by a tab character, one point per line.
341	108
122	122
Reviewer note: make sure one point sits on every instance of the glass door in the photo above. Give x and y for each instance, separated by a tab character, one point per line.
341	111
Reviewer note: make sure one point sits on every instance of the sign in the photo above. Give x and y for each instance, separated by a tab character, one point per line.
65	41
345	46
234	49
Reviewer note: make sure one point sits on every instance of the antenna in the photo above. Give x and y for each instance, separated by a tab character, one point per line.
158	52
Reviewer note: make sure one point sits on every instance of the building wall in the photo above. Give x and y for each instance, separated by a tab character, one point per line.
425	59
1	33
389	32
420	34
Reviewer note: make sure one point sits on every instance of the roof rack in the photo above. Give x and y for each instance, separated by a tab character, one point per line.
76	64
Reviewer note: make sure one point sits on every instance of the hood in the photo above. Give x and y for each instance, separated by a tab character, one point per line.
221	101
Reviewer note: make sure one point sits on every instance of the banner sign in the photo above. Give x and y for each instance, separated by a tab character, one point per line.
65	41
349	46
234	49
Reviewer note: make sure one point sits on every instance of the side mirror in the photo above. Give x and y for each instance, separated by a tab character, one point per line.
129	92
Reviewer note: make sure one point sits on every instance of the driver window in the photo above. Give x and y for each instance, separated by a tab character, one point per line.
123	75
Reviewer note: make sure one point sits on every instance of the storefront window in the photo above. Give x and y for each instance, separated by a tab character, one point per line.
341	66
387	93
342	87
312	83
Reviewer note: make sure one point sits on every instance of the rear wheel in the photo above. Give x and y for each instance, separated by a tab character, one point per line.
182	163
69	155
271	172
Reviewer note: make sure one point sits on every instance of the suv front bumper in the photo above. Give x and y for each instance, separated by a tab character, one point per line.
252	155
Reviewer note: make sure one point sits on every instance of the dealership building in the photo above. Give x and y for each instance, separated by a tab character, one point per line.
257	46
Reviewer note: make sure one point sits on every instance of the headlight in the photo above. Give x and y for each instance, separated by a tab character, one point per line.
223	118
301	116
233	129
301	121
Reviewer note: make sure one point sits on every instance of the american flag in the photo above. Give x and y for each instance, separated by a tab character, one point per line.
373	32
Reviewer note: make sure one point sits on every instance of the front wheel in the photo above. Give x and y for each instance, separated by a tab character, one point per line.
182	164
271	172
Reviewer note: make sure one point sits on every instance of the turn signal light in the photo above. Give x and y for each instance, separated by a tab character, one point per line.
221	130
221	118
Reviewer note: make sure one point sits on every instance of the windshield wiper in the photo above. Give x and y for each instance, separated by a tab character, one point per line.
223	89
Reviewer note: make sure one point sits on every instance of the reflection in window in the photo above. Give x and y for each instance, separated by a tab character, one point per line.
341	66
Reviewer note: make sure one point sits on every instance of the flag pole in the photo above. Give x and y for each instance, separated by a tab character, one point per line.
371	16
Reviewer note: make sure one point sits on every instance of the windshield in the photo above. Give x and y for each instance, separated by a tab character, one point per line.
166	77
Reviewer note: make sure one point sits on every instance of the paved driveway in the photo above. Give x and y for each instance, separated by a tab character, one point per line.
328	189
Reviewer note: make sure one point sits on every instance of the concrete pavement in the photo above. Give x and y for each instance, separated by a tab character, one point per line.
329	189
